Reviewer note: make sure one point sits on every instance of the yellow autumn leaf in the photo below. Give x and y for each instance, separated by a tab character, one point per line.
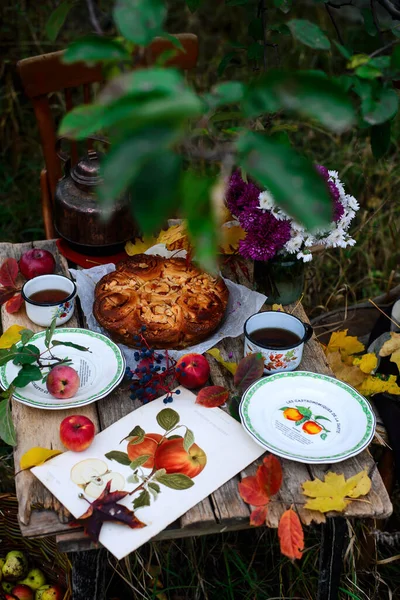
140	245
367	363
391	345
231	366
396	358
349	374
175	237
375	385
11	336
335	492
346	344
230	235
278	307
37	456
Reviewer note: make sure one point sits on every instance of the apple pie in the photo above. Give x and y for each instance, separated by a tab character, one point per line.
179	304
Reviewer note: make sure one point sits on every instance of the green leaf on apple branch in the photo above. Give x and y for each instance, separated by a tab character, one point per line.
139	461
140	21
26	335
292	179
167	418
188	440
142	500
27	355
7	429
154	486
8	354
137	432
95	48
70	345
50	331
120	457
175	481
26	375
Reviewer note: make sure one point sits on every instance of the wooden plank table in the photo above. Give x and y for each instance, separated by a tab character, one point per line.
40	514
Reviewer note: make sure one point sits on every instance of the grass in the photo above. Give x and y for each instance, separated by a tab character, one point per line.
244	565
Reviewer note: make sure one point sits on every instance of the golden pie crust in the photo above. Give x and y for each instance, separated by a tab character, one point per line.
179	304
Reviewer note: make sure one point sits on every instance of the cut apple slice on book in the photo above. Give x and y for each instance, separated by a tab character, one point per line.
92	476
95	488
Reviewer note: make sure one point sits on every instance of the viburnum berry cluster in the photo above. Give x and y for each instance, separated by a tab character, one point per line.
150	379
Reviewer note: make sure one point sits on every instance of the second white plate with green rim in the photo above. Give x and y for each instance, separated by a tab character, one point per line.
307	417
100	370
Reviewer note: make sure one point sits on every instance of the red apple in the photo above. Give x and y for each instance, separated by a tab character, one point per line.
192	370
62	381
9	597
148	446
77	432
50	592
172	456
36	262
23	592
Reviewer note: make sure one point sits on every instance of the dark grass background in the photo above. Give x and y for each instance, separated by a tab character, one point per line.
244	565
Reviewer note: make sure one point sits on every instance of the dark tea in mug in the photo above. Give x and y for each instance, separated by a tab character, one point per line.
274	337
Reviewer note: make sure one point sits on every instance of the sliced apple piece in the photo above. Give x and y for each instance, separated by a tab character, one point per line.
97	485
87	470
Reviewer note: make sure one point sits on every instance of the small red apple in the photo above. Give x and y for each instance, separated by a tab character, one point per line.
172	456
23	592
77	432
10	597
62	381
148	446
192	370
36	262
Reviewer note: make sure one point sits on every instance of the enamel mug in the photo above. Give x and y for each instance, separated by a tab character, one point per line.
42	313
277	359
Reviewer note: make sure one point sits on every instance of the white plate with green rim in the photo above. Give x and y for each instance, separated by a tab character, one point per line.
100	370
307	417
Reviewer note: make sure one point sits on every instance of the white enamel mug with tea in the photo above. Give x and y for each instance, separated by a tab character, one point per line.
42	312
279	337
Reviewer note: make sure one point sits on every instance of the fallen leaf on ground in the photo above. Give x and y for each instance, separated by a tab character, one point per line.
269	475
335	492
391	345
231	366
367	363
373	384
106	508
291	536
11	336
9	272
258	516
14	304
396	358
250	491
36	456
352	375
250	368
212	396
346	344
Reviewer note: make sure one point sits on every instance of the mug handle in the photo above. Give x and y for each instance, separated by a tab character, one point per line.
308	333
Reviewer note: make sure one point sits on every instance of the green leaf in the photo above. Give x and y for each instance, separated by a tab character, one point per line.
345	52
291	179
196	201
255	29
188	440
255	51
143	82
57	19
167	418
228	92
154	486
369	22
283	5
319	417
303	420
380	62
368	72
137	432
122	164
27	355
161	192
305	412
26	335
227	59
132	478
140	21
95	48
7	429
305	93
385	105
309	34
142	500
49	332
70	345
193	4
139	461
120	457
380	139
175	41
176	481
249	369
395	58
26	375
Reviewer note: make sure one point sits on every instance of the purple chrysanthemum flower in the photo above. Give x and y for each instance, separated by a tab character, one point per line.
265	234
338	208
322	171
241	195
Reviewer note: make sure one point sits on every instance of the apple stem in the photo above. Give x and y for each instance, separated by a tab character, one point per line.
141	486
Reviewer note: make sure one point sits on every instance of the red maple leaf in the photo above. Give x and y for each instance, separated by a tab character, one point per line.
9	272
106	508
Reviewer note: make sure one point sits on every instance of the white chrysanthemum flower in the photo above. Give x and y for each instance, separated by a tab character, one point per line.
304	257
266	200
352	202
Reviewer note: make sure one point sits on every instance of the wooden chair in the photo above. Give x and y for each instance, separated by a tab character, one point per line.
44	75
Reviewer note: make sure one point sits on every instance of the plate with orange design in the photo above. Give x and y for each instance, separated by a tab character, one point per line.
307	417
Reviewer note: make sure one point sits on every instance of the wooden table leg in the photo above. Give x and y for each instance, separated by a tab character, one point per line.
89	574
334	533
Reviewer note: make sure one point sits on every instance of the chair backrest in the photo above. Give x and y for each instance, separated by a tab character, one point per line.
46	74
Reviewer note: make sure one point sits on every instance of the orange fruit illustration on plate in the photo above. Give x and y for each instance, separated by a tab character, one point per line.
292	414
311	427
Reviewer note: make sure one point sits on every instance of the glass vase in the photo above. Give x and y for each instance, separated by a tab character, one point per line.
281	279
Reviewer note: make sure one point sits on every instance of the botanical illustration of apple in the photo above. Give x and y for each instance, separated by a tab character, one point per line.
62	382
192	370
23	592
77	432
172	456
36	262
147	447
92	475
